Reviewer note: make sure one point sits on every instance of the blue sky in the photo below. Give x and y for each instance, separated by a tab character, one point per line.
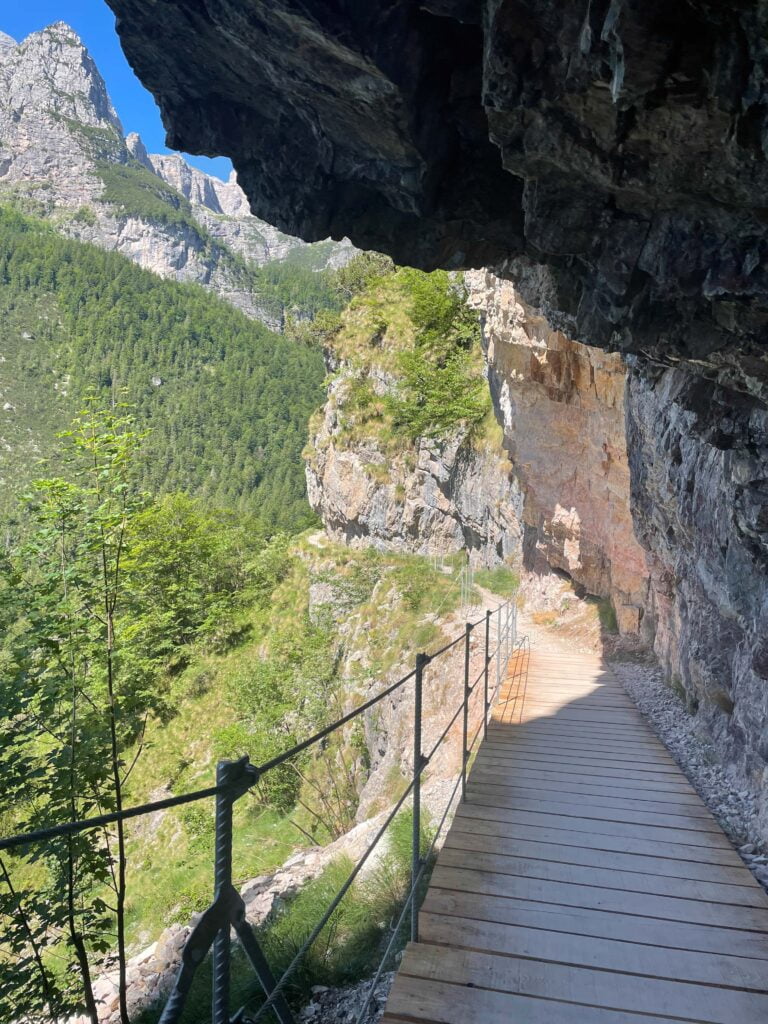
95	24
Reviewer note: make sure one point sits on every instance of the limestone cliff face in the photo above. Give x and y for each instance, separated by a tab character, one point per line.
436	497
699	457
63	156
561	405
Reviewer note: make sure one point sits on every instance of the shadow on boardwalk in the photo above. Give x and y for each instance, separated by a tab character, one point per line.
583	881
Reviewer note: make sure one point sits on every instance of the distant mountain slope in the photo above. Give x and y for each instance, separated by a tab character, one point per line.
227	400
63	157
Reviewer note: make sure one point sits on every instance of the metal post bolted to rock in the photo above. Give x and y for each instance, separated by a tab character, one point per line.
465	719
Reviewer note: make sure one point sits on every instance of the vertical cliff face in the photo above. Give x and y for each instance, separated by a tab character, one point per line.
699	460
442	496
373	481
561	405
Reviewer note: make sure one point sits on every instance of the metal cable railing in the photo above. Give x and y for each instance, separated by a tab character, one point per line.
235	778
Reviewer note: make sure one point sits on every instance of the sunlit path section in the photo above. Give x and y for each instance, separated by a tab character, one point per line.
583	880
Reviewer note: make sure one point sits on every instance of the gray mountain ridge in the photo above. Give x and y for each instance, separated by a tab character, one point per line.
63	156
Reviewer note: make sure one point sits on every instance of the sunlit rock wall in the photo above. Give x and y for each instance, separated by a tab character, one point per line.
561	405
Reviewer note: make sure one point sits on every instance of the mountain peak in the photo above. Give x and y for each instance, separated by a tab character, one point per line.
8	46
61	28
52	69
138	150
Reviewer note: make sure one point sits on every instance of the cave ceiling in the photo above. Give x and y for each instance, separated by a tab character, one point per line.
609	155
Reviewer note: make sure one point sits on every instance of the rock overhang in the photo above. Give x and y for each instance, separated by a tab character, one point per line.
609	155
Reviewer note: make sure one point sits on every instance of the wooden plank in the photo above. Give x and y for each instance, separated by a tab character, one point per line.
476	820
582	759
541	734
592	796
589	701
618	927
585	986
589	777
541	731
579	746
581	766
575	784
532	689
585	951
501	796
416	999
578	761
604	878
569	705
586	716
549	746
464	837
593	897
538	682
555	726
585	823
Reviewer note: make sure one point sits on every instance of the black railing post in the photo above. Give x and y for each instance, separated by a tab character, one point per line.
225	773
465	730
486	704
418	757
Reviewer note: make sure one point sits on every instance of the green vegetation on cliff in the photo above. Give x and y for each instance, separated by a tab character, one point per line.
136	192
227	400
411	360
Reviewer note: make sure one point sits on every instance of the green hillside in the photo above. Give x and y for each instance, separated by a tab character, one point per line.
227	400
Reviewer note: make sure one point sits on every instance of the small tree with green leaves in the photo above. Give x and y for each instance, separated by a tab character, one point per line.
69	713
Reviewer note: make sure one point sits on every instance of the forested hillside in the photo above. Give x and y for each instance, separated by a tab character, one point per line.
226	401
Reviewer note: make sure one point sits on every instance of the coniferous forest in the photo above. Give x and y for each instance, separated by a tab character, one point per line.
224	400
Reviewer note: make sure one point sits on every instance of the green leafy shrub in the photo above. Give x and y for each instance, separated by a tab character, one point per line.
433	398
440	314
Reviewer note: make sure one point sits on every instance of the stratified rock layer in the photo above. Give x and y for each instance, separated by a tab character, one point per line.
561	405
611	154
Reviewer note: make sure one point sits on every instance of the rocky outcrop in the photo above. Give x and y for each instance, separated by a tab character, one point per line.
699	458
63	156
435	498
611	155
561	405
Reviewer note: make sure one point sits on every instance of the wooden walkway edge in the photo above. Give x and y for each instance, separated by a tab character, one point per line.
583	881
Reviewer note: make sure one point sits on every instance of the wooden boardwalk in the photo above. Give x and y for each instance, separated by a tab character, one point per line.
583	881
